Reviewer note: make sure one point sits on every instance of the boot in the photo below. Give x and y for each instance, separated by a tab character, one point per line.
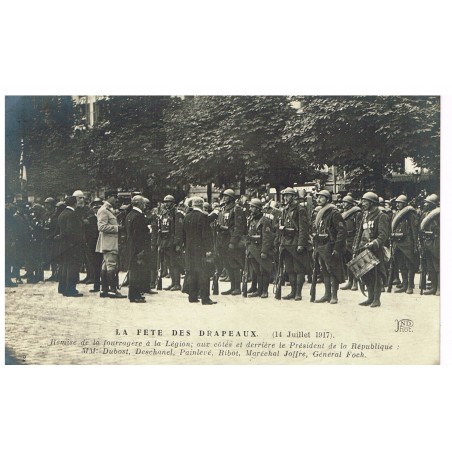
265	284
349	284
300	282
104	284
327	296
433	289
370	297
113	292
334	287
410	286
258	287
293	285
231	277
354	285
404	285
236	290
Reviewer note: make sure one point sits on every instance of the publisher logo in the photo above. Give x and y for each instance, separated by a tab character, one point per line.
404	326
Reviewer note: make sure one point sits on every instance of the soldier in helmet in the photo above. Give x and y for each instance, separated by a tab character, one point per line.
372	234
170	240
260	241
231	226
293	240
429	239
404	236
329	242
352	216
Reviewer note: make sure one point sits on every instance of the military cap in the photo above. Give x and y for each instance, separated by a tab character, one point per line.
289	191
325	193
169	198
372	197
229	193
96	202
348	199
256	203
432	199
402	198
49	201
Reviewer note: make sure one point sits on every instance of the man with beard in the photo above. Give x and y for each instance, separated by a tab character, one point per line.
329	242
260	241
372	235
197	238
71	249
404	236
293	242
232	225
429	239
137	232
107	244
352	216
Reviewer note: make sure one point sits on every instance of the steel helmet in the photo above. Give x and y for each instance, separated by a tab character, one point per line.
432	199
372	197
169	198
256	203
49	201
325	193
348	199
229	193
402	198
289	191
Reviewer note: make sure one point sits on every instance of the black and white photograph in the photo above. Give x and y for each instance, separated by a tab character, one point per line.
222	229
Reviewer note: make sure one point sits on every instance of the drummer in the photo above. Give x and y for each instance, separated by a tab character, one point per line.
372	235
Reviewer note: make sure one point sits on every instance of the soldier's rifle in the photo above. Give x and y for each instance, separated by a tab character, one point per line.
279	276
315	275
245	275
216	275
160	269
391	267
422	263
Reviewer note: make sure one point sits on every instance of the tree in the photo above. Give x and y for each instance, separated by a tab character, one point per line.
232	139
371	134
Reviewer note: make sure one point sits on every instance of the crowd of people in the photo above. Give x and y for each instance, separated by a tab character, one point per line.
367	243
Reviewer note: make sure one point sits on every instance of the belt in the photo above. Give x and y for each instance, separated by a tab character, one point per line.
256	239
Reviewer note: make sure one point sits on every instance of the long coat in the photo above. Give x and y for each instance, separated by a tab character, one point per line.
197	238
71	236
333	226
108	230
137	233
406	223
377	224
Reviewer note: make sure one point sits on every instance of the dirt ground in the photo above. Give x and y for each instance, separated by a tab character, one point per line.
43	327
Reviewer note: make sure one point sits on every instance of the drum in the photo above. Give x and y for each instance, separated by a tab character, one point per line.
363	263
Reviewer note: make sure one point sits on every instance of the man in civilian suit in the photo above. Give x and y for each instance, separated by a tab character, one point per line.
197	238
137	231
71	248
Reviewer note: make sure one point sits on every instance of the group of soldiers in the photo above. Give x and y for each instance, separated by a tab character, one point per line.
248	243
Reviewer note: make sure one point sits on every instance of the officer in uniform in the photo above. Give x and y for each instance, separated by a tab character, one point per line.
429	239
330	243
404	236
232	225
352	216
94	260
170	240
260	241
372	234
294	242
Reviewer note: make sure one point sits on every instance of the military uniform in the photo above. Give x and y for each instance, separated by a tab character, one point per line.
352	216
232	228
330	243
294	244
260	247
404	236
429	239
373	234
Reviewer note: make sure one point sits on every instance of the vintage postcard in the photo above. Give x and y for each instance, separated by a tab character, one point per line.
222	229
